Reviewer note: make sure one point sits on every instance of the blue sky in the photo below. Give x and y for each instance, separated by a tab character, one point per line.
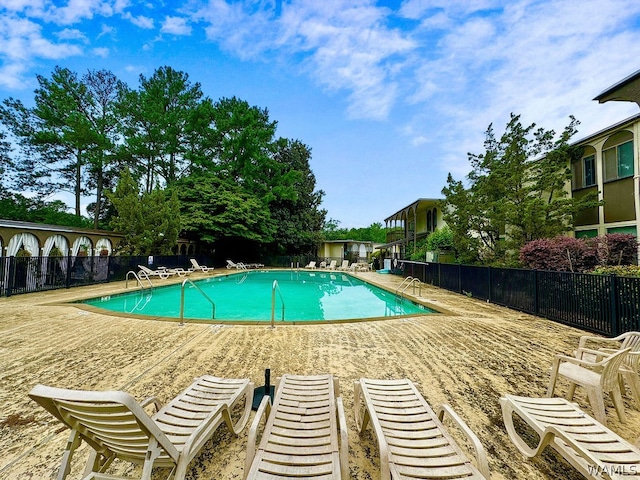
390	96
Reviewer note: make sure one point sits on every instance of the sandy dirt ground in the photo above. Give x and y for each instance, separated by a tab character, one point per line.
467	358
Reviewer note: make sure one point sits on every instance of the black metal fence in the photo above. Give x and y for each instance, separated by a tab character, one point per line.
34	274
605	304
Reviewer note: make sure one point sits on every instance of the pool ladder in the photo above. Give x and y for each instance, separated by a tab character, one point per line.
275	287
213	305
138	279
409	282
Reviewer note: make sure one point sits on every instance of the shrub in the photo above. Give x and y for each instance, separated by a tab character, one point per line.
579	254
562	254
617	249
440	239
620	270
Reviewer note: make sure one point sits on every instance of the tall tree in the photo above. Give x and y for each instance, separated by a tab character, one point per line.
160	125
65	138
296	208
515	194
104	90
244	147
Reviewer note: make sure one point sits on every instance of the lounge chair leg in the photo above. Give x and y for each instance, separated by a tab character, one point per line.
73	443
153	452
571	392
616	396
597	405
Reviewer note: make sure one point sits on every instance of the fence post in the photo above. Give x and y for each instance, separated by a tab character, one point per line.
613	305
68	279
108	268
11	275
489	296
535	292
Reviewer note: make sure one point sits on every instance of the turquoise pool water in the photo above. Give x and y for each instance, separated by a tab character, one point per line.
307	296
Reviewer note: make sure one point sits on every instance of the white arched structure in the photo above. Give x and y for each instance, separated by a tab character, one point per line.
103	244
81	241
57	241
28	241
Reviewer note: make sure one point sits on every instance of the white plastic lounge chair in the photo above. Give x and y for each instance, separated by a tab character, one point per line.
195	267
413	442
332	265
311	265
594	450
181	272
147	272
323	265
116	426
628	372
344	266
597	378
305	435
237	266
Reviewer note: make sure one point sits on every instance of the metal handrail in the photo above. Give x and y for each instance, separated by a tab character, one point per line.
413	283
213	305
138	279
275	287
407	280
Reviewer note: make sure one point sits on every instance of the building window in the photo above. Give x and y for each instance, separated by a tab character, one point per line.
589	170
584	172
618	161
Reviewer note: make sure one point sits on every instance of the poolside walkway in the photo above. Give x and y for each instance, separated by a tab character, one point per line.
467	359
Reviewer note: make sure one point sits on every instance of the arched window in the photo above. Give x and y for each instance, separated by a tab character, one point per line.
429	225
26	241
56	241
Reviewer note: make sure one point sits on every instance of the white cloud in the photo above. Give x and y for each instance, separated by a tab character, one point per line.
140	21
101	52
71	34
544	60
176	26
347	45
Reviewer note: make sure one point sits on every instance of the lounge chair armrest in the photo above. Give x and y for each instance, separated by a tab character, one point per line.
481	456
264	410
599	354
204	429
586	338
149	400
344	438
566	358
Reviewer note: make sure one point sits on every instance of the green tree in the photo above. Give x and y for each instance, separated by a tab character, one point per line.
214	209
373	233
67	139
150	222
15	206
105	91
298	218
244	148
163	126
515	194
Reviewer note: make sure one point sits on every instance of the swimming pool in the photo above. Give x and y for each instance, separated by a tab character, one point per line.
307	297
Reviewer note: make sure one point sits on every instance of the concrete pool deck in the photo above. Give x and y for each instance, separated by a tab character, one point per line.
467	358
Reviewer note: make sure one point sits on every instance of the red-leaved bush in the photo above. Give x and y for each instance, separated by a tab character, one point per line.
567	254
